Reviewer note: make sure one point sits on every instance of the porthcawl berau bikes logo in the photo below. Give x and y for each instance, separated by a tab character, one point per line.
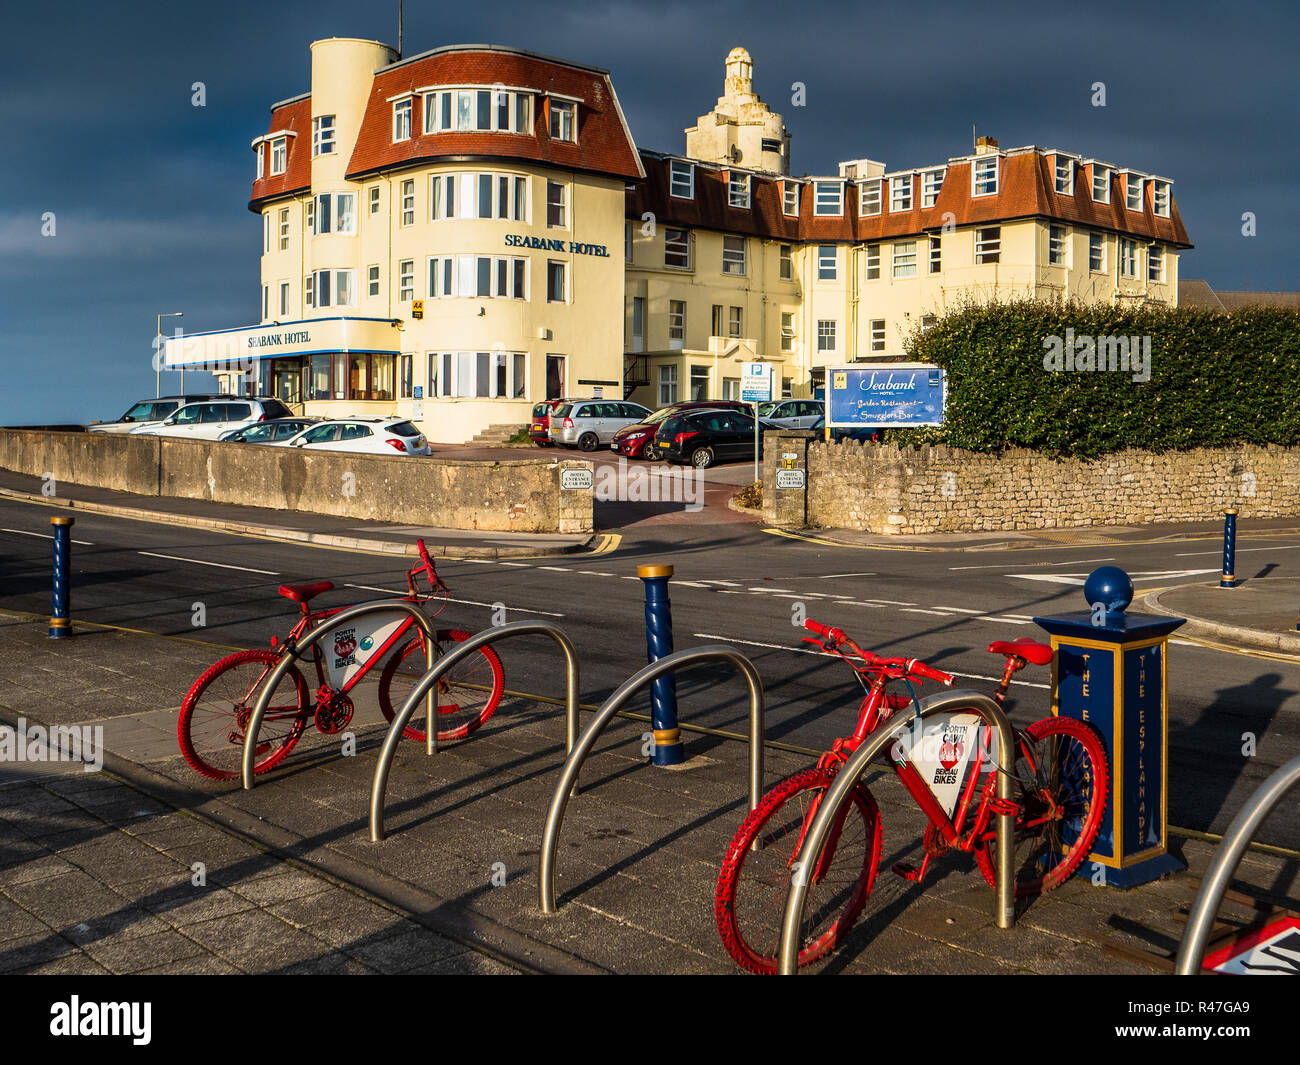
59	743
345	648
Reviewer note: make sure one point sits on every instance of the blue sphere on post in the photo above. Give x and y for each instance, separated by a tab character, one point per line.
1110	586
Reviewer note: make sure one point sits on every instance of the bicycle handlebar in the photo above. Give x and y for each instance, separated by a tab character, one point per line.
906	666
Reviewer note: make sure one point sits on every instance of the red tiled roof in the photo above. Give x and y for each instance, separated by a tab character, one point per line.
296	117
604	145
1026	189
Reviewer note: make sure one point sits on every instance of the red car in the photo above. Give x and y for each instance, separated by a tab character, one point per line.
638	441
539	429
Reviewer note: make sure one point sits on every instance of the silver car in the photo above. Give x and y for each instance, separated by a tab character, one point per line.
791	413
591	423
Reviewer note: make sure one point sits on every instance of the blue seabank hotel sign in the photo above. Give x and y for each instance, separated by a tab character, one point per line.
572	247
885	395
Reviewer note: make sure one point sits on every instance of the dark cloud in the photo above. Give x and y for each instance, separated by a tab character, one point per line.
150	192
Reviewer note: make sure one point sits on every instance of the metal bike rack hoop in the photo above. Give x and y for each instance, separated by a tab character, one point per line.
852	771
668	664
426	684
1191	952
292	651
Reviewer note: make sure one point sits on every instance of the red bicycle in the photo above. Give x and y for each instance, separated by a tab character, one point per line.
950	770
216	711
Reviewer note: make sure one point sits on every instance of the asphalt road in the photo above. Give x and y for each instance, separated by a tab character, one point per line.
733	583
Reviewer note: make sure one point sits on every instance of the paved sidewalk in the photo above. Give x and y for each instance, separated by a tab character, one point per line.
637	862
1259	612
321	529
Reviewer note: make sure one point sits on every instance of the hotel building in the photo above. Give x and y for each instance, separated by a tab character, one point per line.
442	239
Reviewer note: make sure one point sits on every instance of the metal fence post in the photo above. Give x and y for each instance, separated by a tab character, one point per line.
1228	578
659	644
60	622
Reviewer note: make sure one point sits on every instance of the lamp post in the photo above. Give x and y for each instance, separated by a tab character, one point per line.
157	365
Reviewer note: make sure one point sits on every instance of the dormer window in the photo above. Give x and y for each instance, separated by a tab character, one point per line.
1100	184
322	135
1133	192
738	190
984	176
279	154
931	183
1160	197
478	111
828	198
790	198
402	120
681	180
1064	176
869	198
900	193
563	124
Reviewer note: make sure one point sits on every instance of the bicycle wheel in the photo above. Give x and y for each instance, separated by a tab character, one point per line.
753	884
1061	779
216	711
467	696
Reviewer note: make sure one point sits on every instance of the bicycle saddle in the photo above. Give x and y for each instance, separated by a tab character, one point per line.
1030	650
303	593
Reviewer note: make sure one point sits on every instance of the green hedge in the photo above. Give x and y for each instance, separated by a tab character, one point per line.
1216	379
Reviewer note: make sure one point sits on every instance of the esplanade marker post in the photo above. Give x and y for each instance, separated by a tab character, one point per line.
1111	670
60	622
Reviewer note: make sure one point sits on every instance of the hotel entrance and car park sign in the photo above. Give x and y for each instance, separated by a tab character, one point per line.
889	395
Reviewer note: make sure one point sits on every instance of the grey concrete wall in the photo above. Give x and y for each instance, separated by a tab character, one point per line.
518	495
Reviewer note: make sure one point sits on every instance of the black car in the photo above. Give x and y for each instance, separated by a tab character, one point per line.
705	438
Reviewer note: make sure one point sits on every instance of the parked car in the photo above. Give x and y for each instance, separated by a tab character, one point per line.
865	435
374	436
589	423
209	419
148	412
638	441
539	429
269	432
705	438
791	413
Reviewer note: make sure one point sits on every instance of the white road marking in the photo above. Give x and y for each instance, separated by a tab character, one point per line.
219	565
1188	554
596	573
557	569
523	565
920	610
829	576
46	536
1081	578
824	654
1071	562
463	602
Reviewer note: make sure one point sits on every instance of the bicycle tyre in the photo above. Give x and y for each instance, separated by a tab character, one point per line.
217	707
467	697
749	904
1047	855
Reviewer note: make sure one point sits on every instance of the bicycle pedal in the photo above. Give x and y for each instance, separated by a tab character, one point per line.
907	871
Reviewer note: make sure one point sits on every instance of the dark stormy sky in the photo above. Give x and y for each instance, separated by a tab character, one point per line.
149	193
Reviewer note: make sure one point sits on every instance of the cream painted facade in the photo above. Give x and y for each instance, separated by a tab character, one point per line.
848	300
479	360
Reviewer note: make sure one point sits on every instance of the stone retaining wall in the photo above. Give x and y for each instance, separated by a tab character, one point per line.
939	489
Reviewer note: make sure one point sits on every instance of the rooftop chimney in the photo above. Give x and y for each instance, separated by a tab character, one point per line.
986	146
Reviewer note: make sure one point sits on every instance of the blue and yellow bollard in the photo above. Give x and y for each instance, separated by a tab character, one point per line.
1228	578
60	622
659	642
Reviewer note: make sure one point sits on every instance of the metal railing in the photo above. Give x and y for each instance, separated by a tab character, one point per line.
573	765
291	651
851	772
1191	952
426	688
